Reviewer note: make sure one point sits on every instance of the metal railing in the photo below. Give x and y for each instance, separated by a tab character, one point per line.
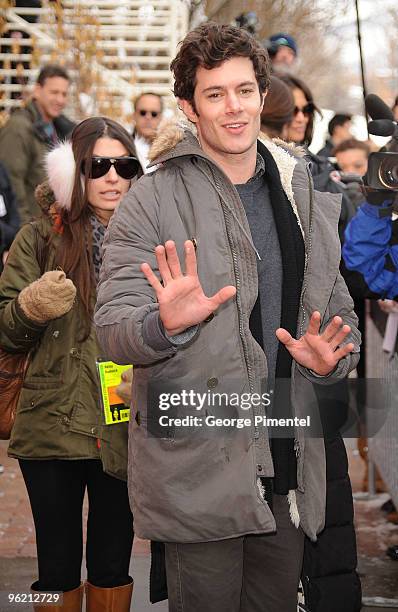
135	43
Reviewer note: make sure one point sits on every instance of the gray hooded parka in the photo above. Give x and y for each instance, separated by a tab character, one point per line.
194	486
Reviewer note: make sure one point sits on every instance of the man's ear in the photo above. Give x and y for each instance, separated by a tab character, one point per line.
36	91
188	110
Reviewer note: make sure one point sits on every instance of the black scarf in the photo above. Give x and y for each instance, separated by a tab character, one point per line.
293	257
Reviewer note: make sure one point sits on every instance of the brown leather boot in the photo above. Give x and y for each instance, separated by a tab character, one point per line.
72	601
117	599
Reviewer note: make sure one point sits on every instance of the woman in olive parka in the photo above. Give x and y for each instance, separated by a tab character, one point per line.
47	295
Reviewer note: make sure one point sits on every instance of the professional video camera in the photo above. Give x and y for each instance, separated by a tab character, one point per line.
382	171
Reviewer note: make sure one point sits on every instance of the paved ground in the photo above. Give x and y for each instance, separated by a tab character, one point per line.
379	574
18	551
17	545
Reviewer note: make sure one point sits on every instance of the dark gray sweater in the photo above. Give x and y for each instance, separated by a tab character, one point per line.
257	204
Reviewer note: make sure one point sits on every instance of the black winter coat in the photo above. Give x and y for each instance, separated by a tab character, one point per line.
9	217
329	576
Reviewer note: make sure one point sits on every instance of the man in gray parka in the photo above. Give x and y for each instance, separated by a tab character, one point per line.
226	216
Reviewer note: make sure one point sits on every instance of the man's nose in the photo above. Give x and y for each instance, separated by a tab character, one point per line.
233	103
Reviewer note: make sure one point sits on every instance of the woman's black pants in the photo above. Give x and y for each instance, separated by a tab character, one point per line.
56	490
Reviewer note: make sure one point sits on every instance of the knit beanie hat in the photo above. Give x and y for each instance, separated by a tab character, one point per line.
283	40
278	105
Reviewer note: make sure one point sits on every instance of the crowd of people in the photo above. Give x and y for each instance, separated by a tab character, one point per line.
200	253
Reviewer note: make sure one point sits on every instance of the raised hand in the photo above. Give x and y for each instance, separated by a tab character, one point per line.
318	352
182	302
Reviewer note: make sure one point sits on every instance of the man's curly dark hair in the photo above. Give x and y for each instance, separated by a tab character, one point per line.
208	46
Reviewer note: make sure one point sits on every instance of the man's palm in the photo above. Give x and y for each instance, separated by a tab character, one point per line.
318	352
182	302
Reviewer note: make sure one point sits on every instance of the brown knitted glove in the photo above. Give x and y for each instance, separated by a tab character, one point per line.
50	297
124	389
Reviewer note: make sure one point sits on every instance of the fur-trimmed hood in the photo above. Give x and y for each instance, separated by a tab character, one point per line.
61	167
179	138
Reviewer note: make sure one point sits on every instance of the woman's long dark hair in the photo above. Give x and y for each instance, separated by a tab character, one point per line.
74	254
295	83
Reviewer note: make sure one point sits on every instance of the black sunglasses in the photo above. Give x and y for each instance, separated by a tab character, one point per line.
144	113
126	167
307	110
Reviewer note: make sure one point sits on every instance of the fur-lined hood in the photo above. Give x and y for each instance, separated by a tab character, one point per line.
177	139
61	167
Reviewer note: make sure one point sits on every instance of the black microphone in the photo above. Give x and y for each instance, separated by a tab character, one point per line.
382	127
377	109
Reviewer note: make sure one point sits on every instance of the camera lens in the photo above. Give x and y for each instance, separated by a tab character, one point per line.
388	172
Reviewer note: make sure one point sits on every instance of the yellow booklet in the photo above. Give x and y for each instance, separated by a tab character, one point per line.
110	375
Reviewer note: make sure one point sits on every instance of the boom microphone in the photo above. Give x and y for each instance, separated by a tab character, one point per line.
377	109
381	127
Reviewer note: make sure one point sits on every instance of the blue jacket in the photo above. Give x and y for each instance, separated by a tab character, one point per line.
371	249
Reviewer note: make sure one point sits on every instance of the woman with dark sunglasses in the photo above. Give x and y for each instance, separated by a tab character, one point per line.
47	296
300	131
301	127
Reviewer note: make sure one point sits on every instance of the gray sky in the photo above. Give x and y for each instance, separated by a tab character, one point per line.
373	23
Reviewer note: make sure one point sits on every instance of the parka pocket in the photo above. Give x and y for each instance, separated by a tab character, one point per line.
29	400
41	383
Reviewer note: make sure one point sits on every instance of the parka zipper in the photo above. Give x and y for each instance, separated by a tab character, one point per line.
249	369
237	280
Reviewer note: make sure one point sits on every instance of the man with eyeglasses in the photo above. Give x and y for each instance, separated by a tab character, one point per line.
147	117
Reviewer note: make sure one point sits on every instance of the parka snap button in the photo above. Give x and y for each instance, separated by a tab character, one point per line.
259	468
212	383
56	333
65	420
